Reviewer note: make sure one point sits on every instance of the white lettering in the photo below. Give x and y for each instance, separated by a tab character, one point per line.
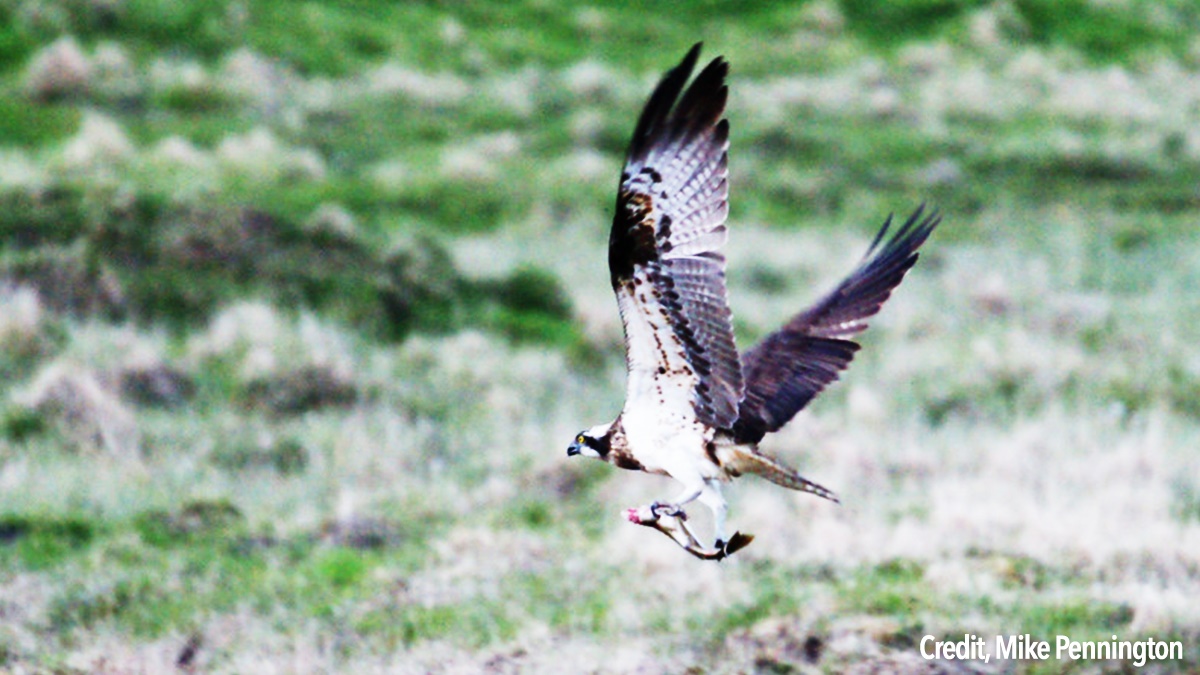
1064	643
1024	648
1021	648
970	647
1136	652
1041	650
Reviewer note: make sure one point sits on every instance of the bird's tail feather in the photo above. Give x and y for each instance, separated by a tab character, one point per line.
751	461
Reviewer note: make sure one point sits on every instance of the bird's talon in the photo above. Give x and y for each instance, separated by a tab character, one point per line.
659	510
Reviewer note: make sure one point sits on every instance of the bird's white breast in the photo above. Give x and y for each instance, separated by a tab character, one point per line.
659	417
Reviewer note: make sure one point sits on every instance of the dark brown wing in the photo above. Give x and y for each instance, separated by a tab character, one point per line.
663	255
792	365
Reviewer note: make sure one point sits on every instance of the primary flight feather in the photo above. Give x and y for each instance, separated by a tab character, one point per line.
694	409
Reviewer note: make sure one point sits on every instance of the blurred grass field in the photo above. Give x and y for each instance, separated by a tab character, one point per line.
301	304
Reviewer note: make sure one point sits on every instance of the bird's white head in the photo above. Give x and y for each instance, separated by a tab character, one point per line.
592	442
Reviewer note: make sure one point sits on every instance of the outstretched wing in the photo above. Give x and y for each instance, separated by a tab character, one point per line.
792	365
667	273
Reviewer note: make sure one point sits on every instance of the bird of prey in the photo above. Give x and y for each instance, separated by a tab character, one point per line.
694	410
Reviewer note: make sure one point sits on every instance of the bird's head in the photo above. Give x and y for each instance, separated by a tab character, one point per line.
592	442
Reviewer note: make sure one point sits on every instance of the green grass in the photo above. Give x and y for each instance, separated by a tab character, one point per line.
43	543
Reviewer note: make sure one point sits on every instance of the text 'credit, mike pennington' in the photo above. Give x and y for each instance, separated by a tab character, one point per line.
1026	648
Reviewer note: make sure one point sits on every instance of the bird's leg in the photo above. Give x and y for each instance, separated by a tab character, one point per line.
711	497
674	509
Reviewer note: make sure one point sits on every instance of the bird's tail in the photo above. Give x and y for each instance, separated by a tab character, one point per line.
745	460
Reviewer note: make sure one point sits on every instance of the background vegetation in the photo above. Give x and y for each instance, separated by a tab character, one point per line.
303	301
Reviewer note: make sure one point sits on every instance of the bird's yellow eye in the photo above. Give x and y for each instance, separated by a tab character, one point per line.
579	439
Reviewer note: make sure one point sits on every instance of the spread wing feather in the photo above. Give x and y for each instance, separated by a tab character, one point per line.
668	227
792	365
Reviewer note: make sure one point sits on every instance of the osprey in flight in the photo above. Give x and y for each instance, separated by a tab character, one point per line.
693	410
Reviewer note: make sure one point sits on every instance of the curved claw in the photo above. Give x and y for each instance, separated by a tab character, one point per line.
673	510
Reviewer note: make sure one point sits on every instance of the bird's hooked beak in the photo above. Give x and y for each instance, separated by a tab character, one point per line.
573	449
